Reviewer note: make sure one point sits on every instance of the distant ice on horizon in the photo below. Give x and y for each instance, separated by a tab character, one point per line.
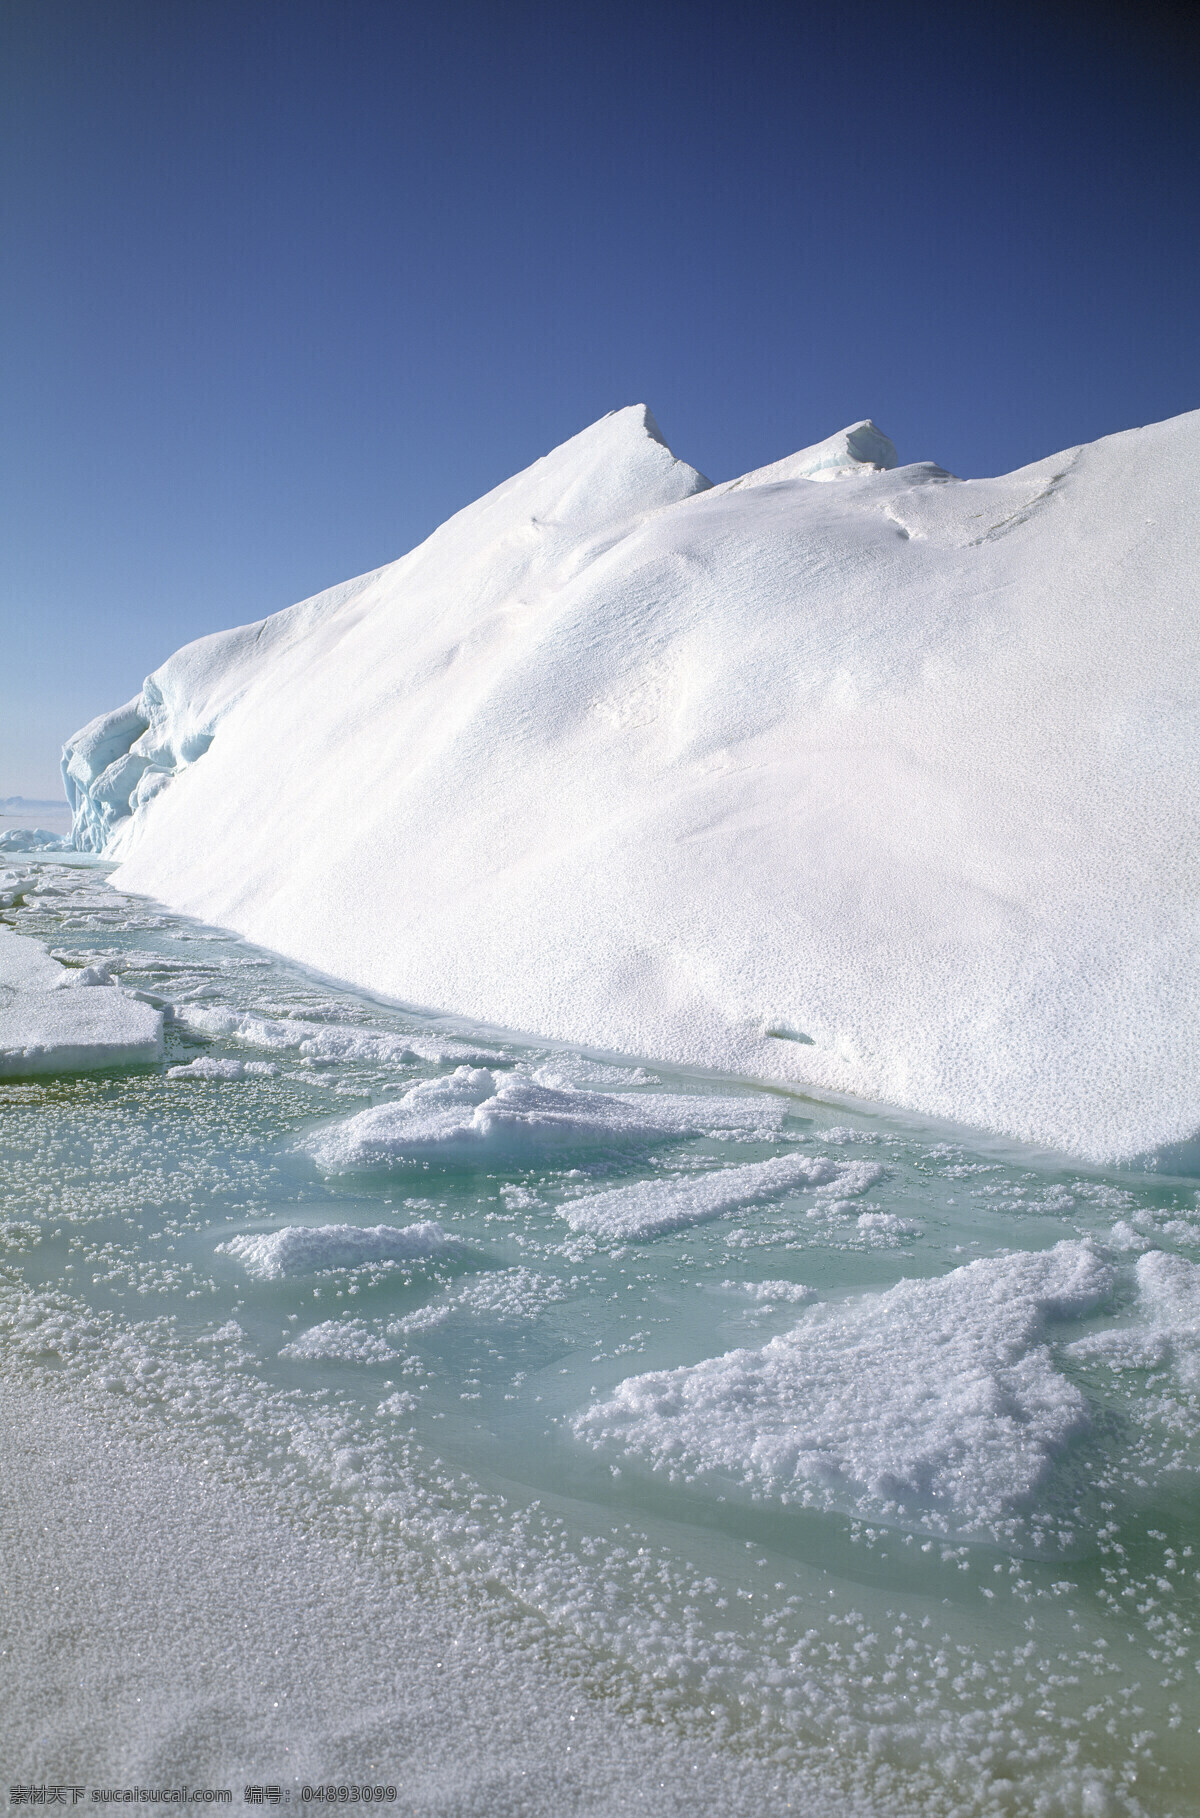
884	786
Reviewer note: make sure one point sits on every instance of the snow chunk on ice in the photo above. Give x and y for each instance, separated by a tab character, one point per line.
651	1207
473	1114
773	1293
887	1225
350	1340
1167	1335
935	1402
45	1028
305	1249
209	1066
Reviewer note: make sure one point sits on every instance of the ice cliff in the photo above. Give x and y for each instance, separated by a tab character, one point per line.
886	786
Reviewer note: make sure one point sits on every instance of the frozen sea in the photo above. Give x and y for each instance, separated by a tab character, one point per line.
391	1400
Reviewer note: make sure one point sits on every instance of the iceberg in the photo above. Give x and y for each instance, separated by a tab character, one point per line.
846	774
52	1022
32	839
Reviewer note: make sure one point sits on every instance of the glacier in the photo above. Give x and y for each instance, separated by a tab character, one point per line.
846	774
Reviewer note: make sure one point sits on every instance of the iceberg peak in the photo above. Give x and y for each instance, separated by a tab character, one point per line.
861	448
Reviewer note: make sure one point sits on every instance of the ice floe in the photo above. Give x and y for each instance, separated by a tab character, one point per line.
347	1340
935	1403
317	1041
651	1208
210	1066
474	1113
48	1026
297	1250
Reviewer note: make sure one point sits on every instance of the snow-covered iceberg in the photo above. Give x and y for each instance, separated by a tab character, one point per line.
886	786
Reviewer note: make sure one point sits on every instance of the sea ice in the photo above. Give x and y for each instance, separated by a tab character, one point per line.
887	786
49	1025
506	1294
473	1114
31	839
208	1066
305	1249
649	1208
1165	1334
935	1403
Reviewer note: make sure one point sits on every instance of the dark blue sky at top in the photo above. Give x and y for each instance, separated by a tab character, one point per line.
285	282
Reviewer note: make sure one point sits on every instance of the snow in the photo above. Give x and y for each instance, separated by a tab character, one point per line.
51	1022
474	1114
209	1066
31	839
317	1041
884	787
304	1249
935	1403
651	1208
1165	1333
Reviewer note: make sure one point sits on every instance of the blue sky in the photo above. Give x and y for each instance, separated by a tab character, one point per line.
286	284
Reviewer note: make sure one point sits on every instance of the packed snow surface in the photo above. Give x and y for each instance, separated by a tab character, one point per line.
886	785
51	1022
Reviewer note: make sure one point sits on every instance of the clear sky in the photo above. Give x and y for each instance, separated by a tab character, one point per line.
285	282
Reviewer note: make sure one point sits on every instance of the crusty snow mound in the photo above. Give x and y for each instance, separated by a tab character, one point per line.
474	1115
303	1249
936	1402
886	785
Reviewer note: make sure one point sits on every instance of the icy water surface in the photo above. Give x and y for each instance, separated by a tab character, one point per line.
831	1438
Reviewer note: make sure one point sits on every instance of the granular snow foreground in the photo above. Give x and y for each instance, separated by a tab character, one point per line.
885	787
